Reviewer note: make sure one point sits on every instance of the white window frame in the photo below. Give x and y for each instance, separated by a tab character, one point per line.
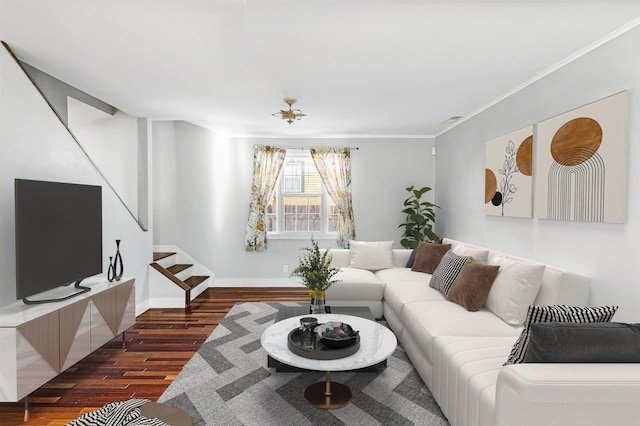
325	200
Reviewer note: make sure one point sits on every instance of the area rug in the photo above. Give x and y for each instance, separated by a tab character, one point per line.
227	382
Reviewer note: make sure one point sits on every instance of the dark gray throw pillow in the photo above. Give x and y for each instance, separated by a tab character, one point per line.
607	342
412	258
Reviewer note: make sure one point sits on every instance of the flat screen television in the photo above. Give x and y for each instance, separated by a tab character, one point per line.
58	236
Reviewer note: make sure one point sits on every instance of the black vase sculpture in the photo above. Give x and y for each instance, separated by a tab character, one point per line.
118	267
111	276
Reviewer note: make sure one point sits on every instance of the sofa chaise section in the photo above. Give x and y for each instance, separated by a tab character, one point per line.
460	355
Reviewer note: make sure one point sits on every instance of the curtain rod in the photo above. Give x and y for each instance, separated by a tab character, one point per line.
302	148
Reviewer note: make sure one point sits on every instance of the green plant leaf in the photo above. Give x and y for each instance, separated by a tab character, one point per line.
420	217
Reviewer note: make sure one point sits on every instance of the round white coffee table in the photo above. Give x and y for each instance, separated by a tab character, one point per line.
377	343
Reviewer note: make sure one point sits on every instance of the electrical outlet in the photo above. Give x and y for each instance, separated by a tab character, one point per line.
285	268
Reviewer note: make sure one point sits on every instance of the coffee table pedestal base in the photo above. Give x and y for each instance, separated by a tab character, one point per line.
328	395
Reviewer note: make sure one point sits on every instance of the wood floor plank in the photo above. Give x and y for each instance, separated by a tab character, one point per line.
158	346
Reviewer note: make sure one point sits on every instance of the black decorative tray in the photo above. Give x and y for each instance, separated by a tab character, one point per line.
312	347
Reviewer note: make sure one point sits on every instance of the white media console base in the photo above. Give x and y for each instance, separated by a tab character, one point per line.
40	341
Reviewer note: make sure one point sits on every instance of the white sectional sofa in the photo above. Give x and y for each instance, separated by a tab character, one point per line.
460	354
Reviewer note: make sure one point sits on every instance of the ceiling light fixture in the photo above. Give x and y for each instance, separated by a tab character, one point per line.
291	114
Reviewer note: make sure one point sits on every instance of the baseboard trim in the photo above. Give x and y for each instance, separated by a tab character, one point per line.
255	282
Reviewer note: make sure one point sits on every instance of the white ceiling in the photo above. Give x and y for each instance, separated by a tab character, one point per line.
384	68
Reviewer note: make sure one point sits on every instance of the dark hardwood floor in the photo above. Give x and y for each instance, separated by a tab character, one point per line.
157	347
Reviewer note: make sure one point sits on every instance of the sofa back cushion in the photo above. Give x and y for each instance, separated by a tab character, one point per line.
479	254
340	257
558	285
514	289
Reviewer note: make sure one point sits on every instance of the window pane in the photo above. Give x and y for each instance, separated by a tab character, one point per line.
312	181
292	177
333	216
290	204
302	222
314	222
270	213
289	223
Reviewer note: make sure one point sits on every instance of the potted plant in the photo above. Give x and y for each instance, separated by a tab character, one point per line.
315	270
418	225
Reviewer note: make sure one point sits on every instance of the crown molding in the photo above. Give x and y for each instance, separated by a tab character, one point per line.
580	53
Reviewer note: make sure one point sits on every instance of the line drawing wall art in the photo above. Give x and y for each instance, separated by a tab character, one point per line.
581	163
508	174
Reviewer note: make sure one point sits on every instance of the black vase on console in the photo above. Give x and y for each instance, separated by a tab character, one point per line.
118	267
111	276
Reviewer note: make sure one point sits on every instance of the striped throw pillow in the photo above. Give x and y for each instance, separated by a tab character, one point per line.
447	272
557	313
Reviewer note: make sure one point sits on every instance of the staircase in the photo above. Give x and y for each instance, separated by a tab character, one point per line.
175	278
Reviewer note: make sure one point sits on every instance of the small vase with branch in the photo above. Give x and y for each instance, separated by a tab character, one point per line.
314	268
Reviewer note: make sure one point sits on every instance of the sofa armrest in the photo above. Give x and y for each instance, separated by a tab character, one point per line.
568	394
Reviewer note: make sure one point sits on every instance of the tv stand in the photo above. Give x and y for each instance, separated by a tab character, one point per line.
77	285
40	341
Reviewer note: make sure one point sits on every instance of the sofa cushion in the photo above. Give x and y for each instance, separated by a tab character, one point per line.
471	287
556	313
428	320
355	284
514	289
372	255
428	256
590	342
447	271
393	275
399	293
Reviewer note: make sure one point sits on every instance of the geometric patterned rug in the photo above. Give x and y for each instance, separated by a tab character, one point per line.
227	382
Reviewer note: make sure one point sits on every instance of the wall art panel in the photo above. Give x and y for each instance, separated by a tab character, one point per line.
581	163
508	174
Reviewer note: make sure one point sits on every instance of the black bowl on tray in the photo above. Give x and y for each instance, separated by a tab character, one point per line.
336	334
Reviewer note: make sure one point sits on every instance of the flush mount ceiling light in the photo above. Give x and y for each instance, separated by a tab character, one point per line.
291	114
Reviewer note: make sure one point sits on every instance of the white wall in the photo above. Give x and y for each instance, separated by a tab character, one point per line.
35	145
608	253
111	141
164	183
213	180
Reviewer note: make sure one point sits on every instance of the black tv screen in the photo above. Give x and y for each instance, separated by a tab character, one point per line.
58	234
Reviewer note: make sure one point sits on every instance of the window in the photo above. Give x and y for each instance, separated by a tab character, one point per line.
300	204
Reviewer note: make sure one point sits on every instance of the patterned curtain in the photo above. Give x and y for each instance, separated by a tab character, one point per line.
267	163
334	166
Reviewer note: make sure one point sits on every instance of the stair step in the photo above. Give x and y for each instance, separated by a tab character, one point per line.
157	255
178	267
195	280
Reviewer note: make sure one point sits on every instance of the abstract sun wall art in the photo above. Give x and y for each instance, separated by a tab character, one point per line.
508	174
581	163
